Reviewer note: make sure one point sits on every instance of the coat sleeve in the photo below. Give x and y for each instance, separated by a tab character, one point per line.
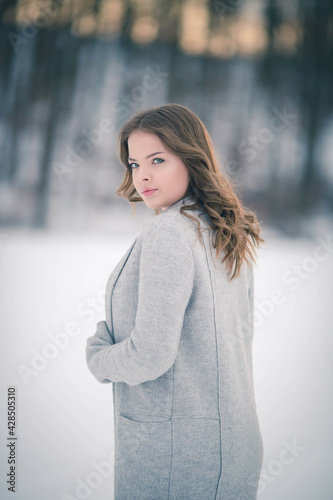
165	285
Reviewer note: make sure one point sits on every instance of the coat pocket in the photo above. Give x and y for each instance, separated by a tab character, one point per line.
144	417
143	456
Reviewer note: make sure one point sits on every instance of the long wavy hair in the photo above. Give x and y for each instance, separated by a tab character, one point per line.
235	227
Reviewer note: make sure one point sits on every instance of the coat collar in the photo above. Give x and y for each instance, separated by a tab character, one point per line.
185	200
111	284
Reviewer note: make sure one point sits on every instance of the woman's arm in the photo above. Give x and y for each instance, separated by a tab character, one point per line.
165	286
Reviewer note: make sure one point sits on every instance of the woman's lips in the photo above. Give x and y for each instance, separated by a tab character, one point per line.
149	192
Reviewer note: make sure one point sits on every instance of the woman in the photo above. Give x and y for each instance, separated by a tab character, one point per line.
177	340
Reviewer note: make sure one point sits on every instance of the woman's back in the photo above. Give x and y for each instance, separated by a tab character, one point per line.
191	432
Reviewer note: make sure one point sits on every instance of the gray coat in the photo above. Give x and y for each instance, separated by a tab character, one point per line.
177	346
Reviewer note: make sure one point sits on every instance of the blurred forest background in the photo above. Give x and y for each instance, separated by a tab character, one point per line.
258	73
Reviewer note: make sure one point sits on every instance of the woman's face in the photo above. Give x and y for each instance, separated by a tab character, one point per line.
157	168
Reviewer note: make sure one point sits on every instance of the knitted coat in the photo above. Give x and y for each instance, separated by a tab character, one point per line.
177	347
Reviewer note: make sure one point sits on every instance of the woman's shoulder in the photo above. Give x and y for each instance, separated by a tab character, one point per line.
167	234
164	228
164	243
169	224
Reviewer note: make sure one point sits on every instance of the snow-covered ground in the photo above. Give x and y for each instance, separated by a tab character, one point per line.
51	299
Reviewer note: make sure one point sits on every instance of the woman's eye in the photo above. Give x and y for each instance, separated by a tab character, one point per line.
159	159
135	165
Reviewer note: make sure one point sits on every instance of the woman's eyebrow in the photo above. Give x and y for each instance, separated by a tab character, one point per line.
158	153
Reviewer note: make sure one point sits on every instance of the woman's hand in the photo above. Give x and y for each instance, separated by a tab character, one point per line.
96	345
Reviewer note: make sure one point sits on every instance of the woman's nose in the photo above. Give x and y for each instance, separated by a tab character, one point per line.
144	174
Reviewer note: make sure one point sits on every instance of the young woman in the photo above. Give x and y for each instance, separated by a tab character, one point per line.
177	340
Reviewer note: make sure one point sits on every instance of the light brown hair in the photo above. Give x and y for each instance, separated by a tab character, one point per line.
235	227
